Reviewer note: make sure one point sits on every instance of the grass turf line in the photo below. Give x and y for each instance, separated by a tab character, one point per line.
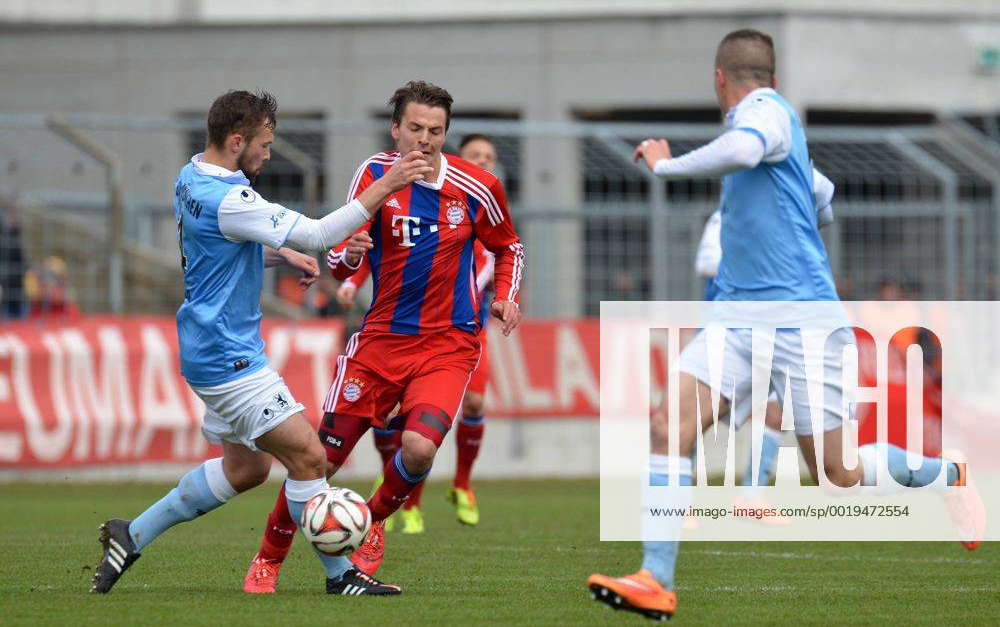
524	564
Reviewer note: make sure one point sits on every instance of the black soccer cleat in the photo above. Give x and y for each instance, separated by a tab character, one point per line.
356	583
119	554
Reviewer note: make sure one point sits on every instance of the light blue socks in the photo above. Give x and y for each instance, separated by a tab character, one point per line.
895	456
297	493
769	446
198	492
659	557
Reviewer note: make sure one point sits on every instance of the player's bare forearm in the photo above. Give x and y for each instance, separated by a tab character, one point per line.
272	258
306	264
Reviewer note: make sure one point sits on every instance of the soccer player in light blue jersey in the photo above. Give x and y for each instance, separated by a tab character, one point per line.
228	233
772	252
706	264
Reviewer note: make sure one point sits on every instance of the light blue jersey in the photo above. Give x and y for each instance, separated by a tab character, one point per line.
770	235
218	325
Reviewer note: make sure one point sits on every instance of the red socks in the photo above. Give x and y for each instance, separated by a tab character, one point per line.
397	485
279	532
468	437
414	500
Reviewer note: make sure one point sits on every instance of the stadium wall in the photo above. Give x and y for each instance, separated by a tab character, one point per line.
103	398
853	59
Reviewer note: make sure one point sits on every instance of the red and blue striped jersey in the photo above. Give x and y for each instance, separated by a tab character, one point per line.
484	276
423	263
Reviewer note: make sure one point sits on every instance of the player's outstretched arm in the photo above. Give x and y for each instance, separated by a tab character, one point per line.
245	216
730	152
338	225
761	130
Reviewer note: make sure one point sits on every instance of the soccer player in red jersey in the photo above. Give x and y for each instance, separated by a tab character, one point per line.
419	341
480	150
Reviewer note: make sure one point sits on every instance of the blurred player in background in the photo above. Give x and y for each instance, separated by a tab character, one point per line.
419	342
480	150
772	252
228	234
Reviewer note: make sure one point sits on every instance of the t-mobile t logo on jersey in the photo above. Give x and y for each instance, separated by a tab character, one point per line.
405	229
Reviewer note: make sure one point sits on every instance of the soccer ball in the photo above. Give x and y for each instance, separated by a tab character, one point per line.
336	521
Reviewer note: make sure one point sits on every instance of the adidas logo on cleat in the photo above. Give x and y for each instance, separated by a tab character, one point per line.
119	554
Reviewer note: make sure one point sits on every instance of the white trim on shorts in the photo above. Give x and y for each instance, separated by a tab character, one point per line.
330	402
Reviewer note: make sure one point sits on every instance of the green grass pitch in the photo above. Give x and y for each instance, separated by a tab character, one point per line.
524	564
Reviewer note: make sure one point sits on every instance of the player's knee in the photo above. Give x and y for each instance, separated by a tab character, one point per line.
331	468
315	459
248	476
426	426
308	461
256	476
772	417
840	476
473	404
418	452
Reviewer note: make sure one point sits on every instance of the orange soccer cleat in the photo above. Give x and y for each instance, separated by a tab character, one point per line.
966	508
262	578
368	557
638	593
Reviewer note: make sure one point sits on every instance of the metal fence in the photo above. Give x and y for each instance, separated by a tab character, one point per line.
87	222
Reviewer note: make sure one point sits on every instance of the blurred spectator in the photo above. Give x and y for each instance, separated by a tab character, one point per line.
12	266
889	289
48	292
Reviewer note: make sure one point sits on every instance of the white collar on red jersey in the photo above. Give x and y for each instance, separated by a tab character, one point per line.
439	183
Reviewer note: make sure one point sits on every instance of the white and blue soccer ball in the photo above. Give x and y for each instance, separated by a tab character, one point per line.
336	521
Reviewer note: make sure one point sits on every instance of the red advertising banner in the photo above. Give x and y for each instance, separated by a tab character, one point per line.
108	391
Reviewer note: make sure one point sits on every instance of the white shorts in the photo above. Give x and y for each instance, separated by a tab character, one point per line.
241	411
786	362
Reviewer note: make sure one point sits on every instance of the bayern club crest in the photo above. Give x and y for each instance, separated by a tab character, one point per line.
352	391
456	212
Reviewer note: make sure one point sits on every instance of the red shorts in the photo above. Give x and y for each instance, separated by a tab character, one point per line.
481	375
380	369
